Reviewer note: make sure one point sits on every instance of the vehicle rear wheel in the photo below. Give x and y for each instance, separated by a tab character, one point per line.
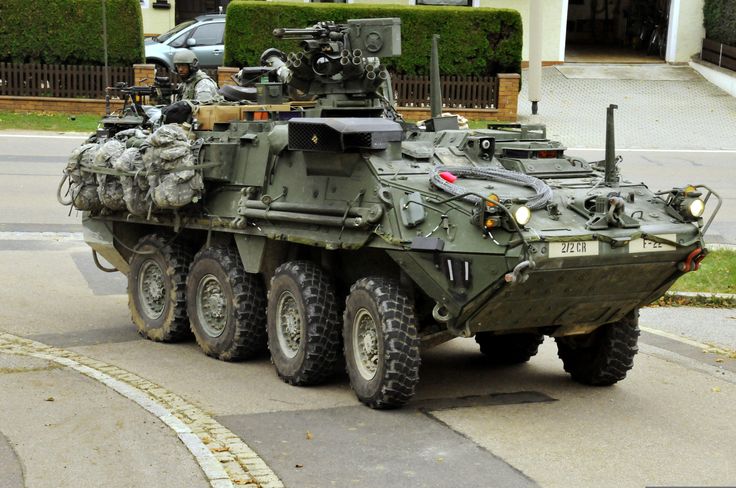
509	348
604	356
157	289
381	343
226	305
303	324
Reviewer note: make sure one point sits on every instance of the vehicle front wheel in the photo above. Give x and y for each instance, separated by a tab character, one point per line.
604	356
303	324
509	348
381	343
157	289
226	305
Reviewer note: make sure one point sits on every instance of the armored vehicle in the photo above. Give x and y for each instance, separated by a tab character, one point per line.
309	219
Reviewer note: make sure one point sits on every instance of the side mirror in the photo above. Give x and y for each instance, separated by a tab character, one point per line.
191	42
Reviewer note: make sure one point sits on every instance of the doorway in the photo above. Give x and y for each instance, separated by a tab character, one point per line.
616	31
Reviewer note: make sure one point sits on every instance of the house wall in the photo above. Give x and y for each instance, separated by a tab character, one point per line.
157	20
686	32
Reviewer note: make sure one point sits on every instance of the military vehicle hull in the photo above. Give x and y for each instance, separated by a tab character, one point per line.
332	231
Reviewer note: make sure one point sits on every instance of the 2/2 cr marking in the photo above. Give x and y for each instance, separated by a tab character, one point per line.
573	248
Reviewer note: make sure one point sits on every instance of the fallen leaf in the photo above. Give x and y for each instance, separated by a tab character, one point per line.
719	360
309	436
716	389
50	399
219	449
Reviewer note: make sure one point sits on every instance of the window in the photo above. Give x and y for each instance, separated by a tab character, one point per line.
209	34
454	3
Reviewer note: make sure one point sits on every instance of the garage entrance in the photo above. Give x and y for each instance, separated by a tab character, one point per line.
616	31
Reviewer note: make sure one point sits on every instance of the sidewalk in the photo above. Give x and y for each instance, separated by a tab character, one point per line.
60	428
659	107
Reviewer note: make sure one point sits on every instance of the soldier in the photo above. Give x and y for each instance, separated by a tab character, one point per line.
196	85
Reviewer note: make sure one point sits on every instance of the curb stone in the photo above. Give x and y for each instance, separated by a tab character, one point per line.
693	299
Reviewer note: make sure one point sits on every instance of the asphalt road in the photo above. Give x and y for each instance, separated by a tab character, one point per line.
472	425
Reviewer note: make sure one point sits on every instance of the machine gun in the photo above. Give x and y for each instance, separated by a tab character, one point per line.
160	93
337	59
133	113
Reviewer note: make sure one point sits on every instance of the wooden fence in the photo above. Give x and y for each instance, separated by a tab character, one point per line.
69	81
50	80
721	54
457	91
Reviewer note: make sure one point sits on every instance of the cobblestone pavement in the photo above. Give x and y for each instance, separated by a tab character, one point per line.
652	114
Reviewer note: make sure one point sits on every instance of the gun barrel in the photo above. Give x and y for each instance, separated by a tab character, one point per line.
284	33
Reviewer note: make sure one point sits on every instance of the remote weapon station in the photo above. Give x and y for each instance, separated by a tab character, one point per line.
308	219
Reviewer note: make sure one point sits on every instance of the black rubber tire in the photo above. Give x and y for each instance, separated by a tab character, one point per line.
508	348
172	261
243	296
604	356
308	289
396	371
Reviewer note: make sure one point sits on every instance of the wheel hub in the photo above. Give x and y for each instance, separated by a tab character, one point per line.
365	344
211	306
152	289
289	327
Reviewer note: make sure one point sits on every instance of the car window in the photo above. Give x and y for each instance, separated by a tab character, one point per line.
179	41
175	30
209	34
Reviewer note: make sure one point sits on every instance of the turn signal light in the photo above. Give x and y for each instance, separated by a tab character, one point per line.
492	200
492	223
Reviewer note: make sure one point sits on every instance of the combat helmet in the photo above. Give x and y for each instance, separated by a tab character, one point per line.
185	56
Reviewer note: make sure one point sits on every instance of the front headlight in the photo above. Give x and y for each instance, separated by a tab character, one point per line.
695	207
522	215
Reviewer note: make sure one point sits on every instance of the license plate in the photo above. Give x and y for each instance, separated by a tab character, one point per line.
573	248
645	245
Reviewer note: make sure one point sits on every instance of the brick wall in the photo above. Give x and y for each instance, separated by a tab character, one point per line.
57	105
508	98
224	75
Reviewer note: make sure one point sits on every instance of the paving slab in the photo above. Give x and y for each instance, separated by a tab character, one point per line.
688	113
642	72
350	447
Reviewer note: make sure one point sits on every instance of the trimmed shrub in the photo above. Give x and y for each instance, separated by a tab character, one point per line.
474	41
70	32
720	21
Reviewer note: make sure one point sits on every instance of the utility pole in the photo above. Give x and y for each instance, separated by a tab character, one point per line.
104	48
535	53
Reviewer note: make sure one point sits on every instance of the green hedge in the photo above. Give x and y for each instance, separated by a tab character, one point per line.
720	20
70	31
474	41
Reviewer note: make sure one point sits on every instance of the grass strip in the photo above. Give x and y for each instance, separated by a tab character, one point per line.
48	121
717	274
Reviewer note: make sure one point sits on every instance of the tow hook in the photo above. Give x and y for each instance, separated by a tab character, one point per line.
692	262
520	273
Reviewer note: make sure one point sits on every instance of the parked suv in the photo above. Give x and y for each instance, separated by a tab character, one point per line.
203	36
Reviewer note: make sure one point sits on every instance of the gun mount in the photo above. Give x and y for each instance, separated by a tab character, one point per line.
339	64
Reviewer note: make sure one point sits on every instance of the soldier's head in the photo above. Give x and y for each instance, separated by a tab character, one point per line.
186	63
